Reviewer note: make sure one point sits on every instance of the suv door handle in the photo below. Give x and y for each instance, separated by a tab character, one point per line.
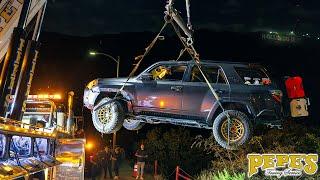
176	88
220	91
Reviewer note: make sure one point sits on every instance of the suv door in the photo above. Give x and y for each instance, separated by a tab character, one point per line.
198	100
162	93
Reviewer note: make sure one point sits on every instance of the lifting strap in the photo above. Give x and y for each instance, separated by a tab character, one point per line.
188	46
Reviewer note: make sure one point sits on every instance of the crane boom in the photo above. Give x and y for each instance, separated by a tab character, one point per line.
10	11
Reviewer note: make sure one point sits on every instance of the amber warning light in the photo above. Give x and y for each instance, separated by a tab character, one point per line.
45	96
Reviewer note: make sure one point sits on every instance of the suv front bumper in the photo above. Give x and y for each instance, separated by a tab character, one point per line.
90	96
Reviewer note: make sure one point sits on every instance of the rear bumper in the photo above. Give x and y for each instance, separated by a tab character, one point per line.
270	116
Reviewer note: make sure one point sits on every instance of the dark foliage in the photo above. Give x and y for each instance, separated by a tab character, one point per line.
173	148
294	138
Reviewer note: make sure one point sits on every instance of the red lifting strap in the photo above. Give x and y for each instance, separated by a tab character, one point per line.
294	87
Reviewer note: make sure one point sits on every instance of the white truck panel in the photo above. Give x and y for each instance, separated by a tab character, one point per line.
9	16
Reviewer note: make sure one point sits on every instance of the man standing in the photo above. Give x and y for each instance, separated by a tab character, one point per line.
106	162
141	160
116	158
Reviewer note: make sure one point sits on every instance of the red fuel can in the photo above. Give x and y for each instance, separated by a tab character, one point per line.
294	87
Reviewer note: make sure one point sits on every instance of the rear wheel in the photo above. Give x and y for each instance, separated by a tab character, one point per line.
108	117
132	125
234	133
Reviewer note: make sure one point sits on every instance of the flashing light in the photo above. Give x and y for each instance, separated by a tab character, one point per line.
161	104
45	96
89	145
57	96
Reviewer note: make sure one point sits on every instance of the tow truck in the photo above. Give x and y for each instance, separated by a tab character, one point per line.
36	131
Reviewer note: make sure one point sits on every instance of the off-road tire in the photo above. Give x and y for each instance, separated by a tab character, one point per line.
109	118
132	125
217	129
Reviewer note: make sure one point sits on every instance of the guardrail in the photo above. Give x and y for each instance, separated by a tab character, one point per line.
180	173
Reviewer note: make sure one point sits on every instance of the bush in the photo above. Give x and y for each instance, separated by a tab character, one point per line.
173	148
293	138
224	175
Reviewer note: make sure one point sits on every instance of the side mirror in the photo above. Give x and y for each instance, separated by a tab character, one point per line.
146	77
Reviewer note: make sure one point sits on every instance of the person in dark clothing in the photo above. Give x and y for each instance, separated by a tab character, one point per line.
106	162
94	166
141	160
116	157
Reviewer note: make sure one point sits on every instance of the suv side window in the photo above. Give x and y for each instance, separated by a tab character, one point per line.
213	73
248	74
168	72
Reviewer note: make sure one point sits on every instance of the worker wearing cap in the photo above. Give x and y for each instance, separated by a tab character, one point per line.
141	160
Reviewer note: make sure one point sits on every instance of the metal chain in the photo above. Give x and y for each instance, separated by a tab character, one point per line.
181	53
193	53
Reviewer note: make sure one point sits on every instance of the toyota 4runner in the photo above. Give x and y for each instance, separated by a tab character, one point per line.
175	92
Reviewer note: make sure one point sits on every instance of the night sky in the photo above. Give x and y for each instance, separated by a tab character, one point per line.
83	17
121	28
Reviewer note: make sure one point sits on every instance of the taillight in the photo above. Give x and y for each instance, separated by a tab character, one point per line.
277	95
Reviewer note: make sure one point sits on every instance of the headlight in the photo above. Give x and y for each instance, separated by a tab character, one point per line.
90	96
92	84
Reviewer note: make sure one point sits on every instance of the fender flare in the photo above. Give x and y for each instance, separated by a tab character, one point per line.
128	97
216	106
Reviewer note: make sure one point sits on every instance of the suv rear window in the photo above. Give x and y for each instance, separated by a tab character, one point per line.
252	75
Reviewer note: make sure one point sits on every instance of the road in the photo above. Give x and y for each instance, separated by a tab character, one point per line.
125	174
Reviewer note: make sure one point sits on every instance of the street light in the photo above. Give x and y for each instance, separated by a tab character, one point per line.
94	53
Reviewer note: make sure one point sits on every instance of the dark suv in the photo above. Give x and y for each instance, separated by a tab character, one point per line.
176	92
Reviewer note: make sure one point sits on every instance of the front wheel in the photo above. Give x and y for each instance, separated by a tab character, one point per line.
239	129
108	117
